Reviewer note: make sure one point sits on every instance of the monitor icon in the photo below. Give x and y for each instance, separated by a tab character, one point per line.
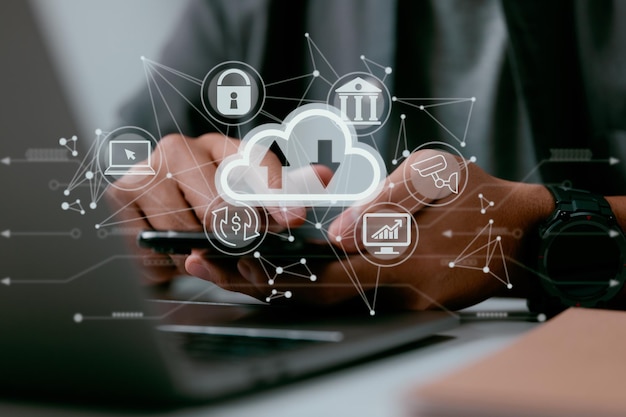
387	231
130	157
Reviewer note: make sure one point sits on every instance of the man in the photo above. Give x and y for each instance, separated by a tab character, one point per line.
547	77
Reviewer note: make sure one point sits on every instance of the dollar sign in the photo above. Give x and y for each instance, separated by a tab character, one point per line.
236	223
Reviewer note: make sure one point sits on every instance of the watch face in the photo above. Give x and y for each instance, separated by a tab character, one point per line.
582	259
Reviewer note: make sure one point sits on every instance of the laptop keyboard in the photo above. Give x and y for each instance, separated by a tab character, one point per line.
211	347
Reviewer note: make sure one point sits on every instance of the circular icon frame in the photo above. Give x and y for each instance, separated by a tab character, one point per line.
218	217
356	96
127	152
235	104
394	246
438	168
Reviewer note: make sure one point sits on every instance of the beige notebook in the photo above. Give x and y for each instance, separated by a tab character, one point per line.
573	365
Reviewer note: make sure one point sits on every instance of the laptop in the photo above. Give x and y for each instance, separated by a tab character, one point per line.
75	322
129	157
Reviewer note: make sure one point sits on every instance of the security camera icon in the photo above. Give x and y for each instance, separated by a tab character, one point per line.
431	167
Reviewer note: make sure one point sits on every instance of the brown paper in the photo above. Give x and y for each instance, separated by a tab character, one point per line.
573	365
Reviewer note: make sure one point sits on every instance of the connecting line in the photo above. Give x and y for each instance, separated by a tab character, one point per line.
490	249
366	62
283	270
401	137
8	281
176	72
312	46
206	181
447	101
138	315
75	206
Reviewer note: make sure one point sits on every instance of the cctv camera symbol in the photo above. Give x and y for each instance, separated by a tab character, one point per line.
432	167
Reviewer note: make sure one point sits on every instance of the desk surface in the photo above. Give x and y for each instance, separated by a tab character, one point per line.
376	388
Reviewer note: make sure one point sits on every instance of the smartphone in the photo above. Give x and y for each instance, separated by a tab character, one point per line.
271	247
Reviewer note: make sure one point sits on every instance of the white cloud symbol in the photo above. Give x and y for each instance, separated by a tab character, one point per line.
305	137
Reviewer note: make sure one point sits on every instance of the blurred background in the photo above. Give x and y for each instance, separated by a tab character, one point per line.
96	61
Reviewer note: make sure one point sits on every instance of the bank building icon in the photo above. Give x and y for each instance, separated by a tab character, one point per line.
359	101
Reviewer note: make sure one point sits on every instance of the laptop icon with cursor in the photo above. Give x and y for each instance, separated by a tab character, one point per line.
129	157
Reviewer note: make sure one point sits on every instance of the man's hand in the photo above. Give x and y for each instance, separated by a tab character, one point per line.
180	194
449	225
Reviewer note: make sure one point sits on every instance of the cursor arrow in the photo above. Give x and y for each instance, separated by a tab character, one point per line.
130	154
275	149
325	155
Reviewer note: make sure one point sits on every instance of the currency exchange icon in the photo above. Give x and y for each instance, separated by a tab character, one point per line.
237	228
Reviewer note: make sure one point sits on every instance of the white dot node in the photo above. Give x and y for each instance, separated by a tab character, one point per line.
483	211
541	318
271	282
66	192
394	161
472	159
82	212
362	57
486	269
421	107
491	203
168	175
291	238
274	292
509	286
65	206
490	221
62	141
313	278
406	153
77	201
403	116
288	294
89	175
306	35
267	299
302	261
318	225
93	205
74	138
74	153
284	209
338	239
78	318
392	184
316	73
257	254
498	238
394	98
388	70
279	270
97	226
451	265
473	98
98	131
463	144
372	313
480	195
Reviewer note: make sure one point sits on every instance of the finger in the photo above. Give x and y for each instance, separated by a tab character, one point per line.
223	274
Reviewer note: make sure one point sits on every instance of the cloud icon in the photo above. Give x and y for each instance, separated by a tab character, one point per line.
311	134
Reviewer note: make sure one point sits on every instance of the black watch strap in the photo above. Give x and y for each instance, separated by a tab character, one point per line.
569	200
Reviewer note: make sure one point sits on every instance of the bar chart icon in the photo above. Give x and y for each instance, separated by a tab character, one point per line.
387	231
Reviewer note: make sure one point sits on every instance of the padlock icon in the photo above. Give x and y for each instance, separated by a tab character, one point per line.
234	100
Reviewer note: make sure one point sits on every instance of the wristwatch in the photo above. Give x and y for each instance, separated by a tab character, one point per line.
581	253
